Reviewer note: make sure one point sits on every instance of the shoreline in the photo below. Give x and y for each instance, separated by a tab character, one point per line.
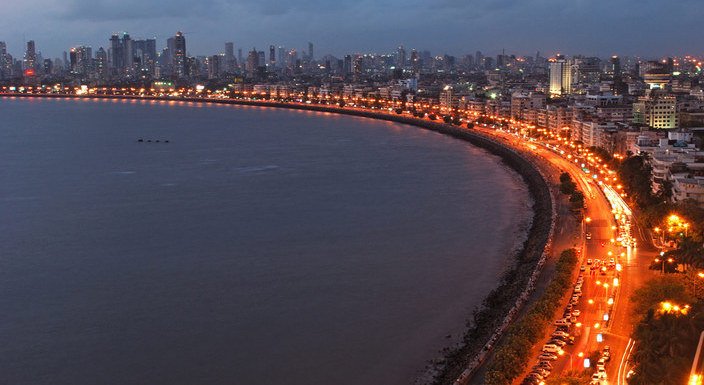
503	303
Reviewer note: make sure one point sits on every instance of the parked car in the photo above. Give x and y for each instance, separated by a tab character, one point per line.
576	313
589	261
559	333
589	235
562	322
547	357
551	348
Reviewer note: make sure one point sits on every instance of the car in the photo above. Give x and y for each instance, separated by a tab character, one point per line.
612	262
541	371
545	364
573	319
570	340
601	371
563	328
550	348
578	289
560	333
606	356
589	236
601	363
557	342
589	261
576	312
582	268
547	357
562	322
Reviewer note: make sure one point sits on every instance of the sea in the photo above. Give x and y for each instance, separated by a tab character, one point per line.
166	242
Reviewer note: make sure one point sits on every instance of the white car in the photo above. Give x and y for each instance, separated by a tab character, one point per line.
576	313
560	333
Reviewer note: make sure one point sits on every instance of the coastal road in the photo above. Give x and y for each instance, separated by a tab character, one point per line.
604	293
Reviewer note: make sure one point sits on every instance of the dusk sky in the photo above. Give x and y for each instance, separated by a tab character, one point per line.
592	27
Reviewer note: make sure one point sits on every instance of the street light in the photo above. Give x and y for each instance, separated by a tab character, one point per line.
662	260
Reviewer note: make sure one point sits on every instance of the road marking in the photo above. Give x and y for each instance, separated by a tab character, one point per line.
622	367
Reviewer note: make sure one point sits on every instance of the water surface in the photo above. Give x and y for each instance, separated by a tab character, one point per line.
258	246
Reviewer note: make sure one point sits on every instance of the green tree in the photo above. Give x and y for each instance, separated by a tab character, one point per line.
659	289
577	200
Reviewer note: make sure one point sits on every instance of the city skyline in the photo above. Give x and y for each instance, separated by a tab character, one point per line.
602	28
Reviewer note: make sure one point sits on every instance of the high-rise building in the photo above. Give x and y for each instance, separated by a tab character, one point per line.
230	61
400	57
311	56
101	63
81	60
657	109
30	58
347	65
3	59
48	67
117	55
252	62
281	55
615	66
560	76
272	56
128	45
180	59
215	66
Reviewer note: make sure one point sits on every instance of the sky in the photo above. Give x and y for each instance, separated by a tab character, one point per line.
647	28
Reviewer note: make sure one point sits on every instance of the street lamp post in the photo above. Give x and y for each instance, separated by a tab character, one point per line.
662	260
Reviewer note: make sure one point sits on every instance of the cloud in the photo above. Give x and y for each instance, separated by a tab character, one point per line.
104	10
344	26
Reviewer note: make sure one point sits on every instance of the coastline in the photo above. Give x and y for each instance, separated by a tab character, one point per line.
503	303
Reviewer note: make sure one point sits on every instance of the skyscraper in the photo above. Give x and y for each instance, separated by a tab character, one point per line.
400	57
117	54
179	56
560	76
280	56
230	57
30	57
101	63
311	56
252	62
272	56
128	46
5	62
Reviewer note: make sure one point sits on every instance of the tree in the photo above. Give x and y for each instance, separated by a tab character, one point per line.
636	175
565	177
568	187
659	289
577	200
